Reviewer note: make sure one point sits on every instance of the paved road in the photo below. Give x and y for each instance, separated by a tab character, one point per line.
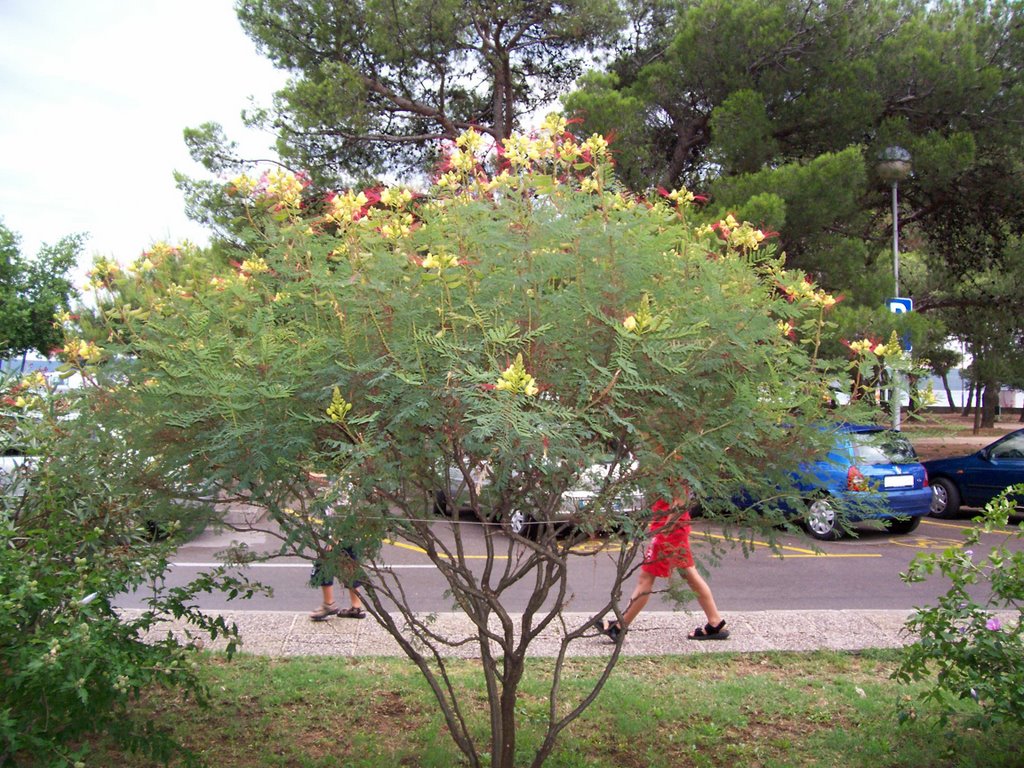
843	595
855	573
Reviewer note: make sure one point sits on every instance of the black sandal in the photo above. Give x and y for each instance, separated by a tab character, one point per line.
611	628
352	613
708	632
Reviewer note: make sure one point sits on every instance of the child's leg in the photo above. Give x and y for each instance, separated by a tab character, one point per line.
641	594
704	597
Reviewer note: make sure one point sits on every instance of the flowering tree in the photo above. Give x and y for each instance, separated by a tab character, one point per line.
515	332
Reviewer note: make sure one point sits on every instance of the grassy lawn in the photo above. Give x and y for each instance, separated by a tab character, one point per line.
773	709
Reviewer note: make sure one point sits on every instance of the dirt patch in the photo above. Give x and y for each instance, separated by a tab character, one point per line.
941	435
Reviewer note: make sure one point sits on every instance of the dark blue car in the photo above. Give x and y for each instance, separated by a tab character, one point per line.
973	481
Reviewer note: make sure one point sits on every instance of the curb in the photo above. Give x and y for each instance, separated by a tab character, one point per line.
289	633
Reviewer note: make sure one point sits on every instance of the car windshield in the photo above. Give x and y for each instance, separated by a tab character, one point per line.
882	447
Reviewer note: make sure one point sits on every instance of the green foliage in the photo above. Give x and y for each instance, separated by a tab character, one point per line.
73	537
755	98
973	653
33	292
526	326
377	83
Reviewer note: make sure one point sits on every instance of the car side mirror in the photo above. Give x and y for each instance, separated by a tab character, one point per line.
985	454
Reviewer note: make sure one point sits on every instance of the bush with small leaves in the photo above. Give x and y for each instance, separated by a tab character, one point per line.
73	537
974	650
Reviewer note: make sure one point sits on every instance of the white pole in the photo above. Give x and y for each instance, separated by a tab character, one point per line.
897	395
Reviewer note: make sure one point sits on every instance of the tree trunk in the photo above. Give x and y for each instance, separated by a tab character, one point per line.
970	399
949	392
989	405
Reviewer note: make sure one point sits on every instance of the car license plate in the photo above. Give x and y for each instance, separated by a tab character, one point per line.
898	481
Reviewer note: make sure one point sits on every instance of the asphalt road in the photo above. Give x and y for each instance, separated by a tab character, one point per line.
803	574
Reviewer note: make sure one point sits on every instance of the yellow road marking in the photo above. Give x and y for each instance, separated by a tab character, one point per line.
597	545
925	542
420	550
937	524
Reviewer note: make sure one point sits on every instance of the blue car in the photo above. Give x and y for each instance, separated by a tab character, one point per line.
973	481
870	473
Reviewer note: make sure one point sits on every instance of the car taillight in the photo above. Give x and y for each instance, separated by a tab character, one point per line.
925	483
855	480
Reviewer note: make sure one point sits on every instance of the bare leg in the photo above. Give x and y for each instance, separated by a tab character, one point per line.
328	592
354	598
704	597
641	594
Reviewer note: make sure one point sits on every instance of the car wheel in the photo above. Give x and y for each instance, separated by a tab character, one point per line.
945	498
521	524
821	520
903	525
441	506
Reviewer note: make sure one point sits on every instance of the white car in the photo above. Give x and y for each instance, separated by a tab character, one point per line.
577	501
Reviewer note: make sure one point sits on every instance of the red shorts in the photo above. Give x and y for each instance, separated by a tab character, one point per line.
670	548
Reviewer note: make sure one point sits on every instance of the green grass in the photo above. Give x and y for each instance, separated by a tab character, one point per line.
771	710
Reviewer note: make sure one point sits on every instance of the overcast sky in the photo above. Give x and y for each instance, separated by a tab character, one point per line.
94	95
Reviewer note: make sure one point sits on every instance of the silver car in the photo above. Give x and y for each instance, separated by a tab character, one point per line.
583	498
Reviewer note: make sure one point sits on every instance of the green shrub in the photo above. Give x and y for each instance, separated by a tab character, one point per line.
973	652
73	537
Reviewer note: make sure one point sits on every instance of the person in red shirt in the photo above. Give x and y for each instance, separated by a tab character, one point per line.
669	549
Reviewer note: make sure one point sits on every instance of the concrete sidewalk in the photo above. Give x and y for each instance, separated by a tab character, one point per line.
282	634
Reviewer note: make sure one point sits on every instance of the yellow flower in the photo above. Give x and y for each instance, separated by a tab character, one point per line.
76	350
255	266
347	207
243	184
554	124
515	380
472	141
396	197
440	262
462	161
598	146
644	320
285	187
103	271
681	196
338	410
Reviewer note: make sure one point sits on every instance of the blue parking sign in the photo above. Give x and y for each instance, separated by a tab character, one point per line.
901	307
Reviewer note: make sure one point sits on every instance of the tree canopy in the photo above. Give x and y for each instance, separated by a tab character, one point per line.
779	110
376	84
33	292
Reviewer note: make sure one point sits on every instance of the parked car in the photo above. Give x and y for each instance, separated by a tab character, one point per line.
575	500
16	458
974	480
869	473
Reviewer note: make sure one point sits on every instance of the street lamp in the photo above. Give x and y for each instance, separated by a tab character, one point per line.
894	167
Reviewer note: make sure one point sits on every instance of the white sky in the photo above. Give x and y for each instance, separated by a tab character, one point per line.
94	96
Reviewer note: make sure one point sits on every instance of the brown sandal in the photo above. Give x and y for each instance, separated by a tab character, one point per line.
352	613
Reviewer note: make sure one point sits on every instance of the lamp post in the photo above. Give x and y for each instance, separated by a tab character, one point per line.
893	167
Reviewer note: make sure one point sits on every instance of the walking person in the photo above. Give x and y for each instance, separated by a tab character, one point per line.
669	550
347	569
329	607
